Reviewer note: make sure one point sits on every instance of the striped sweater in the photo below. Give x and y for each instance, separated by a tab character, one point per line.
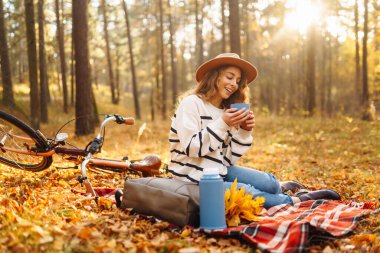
199	138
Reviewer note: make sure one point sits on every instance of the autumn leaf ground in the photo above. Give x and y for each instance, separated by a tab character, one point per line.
39	213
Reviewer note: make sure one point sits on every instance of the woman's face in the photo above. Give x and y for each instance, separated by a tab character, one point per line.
228	82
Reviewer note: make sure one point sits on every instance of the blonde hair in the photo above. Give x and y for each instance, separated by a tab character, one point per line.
207	88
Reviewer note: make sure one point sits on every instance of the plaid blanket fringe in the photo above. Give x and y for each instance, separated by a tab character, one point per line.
286	228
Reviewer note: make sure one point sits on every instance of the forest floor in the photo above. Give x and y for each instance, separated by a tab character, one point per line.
39	213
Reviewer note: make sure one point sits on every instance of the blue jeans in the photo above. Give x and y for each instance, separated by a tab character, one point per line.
257	183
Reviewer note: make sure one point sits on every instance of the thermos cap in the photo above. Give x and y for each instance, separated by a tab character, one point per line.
211	171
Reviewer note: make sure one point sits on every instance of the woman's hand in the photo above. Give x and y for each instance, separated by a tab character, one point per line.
233	117
248	124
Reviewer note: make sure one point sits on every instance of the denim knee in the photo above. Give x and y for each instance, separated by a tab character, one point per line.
274	187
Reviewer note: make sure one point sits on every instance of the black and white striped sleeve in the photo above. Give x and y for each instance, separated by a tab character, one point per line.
241	141
195	141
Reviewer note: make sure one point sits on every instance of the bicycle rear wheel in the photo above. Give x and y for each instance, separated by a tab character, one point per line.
18	136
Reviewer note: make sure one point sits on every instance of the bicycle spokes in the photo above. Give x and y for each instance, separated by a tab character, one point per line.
15	146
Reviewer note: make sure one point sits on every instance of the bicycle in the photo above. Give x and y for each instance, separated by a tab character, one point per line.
22	147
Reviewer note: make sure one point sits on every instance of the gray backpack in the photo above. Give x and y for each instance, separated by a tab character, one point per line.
165	198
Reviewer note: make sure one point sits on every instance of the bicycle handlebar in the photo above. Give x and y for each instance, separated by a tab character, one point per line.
118	119
129	121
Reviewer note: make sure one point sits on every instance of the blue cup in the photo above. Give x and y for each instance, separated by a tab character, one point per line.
240	106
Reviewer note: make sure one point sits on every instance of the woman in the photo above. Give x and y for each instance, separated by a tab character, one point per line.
207	132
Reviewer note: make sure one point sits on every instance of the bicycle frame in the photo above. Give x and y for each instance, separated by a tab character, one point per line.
83	156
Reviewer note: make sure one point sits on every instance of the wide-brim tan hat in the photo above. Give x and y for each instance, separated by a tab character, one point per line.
227	59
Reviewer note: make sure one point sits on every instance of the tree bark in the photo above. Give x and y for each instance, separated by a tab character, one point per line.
21	62
61	47
224	43
72	80
199	31
117	73
156	93
310	81
246	42
32	62
84	111
134	80
357	56
376	23
42	64
329	107
365	96
163	74
108	53
234	24
323	74
6	74
173	61
292	90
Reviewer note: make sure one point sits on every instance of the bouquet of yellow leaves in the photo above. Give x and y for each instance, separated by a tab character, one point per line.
240	205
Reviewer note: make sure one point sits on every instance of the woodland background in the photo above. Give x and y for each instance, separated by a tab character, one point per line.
314	57
315	102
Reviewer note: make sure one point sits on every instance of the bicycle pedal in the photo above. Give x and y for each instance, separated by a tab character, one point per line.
125	158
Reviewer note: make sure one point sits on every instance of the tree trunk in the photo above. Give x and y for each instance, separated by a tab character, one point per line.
365	97
292	90
6	74
173	61
183	71
156	93
234	24
21	62
163	74
42	64
152	110
61	46
376	36
108	53
198	31
299	83
32	62
21	68
376	23
224	43
84	111
134	80
246	43
310	80
72	72
323	74
95	108
329	77
358	95
117	73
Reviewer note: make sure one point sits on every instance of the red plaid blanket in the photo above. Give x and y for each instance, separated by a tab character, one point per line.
286	228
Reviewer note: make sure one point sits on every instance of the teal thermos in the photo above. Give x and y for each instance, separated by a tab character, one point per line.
212	211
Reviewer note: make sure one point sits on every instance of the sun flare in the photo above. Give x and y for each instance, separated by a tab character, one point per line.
301	14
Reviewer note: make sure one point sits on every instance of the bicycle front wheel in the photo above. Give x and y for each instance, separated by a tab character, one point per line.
17	140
